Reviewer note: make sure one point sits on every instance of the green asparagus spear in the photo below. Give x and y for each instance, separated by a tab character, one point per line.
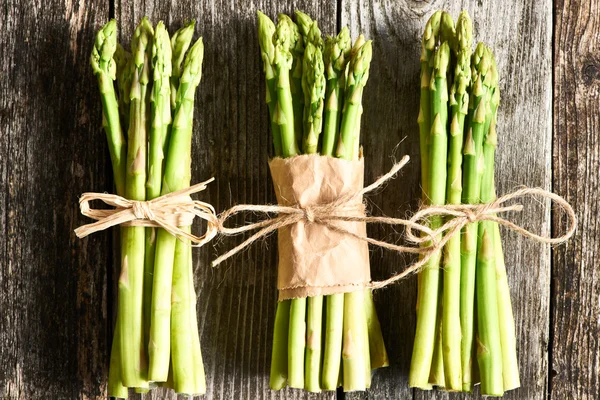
133	352
160	121
312	364
377	351
313	85
279	357
176	177
459	101
105	68
184	342
266	29
115	386
427	312
472	172
285	37
355	343
489	349
297	343
180	43
428	46
358	74
336	57
124	61
332	352
297	52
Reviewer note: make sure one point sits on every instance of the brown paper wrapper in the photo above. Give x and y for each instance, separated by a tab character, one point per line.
314	259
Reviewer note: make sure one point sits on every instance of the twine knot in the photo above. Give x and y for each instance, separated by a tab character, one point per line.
309	214
142	210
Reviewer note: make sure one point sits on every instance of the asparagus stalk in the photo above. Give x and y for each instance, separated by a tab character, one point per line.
489	354
472	172
355	350
297	51
279	357
133	357
358	74
296	343
176	177
313	85
508	341
180	43
314	322
115	383
428	45
377	351
285	37
184	341
159	127
266	29
124	62
427	312
459	101
336	57
161	109
104	67
199	376
332	352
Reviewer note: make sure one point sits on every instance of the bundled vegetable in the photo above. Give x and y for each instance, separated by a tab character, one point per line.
156	339
314	94
463	305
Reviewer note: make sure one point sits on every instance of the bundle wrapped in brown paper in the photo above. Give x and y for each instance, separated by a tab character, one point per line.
313	258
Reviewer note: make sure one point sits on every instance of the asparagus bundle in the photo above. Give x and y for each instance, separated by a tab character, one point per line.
464	311
156	338
314	95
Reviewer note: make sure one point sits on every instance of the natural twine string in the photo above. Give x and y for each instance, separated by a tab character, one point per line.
346	209
177	209
170	212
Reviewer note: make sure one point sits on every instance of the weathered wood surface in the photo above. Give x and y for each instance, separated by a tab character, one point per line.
55	307
575	328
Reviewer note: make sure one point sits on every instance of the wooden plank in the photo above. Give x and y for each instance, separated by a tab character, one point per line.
236	302
521	37
53	341
576	283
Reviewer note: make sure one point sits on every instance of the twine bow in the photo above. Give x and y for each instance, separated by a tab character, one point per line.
170	212
428	240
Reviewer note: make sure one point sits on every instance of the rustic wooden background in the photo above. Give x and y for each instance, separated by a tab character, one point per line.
57	294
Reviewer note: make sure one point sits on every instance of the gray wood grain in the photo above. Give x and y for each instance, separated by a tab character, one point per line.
576	266
53	339
237	301
520	37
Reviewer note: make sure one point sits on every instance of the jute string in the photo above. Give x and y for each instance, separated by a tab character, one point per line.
170	212
177	209
428	241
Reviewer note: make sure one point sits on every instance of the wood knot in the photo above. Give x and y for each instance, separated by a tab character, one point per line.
590	72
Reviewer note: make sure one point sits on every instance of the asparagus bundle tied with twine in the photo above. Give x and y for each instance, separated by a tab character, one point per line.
465	328
314	95
156	340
